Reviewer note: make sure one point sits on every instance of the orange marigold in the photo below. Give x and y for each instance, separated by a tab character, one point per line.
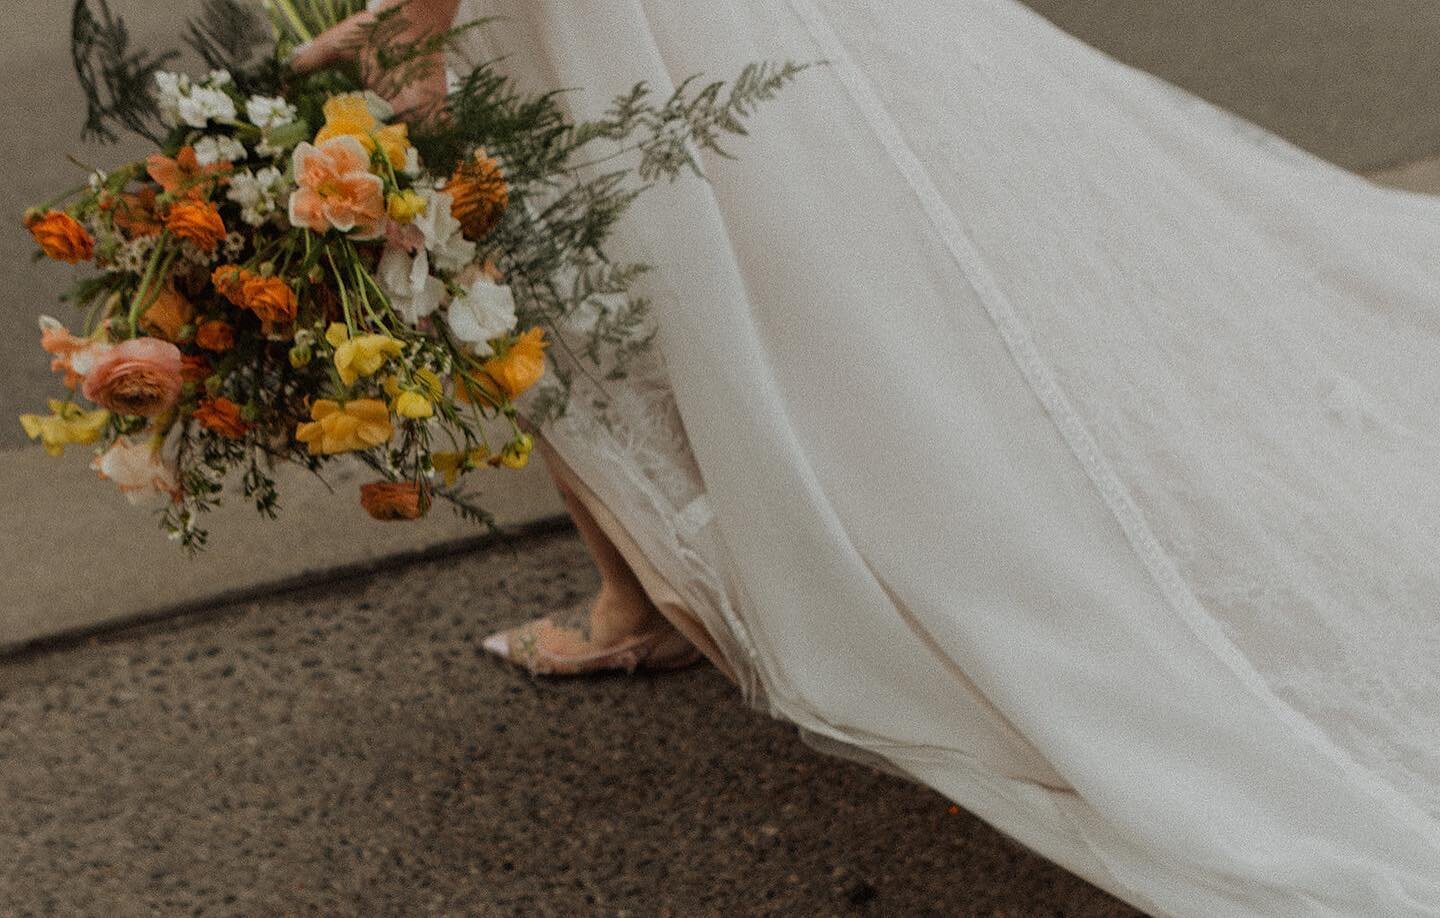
197	221
134	214
222	416
230	280
61	236
479	195
215	335
270	298
390	501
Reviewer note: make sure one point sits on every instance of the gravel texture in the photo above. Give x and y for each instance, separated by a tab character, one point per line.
350	751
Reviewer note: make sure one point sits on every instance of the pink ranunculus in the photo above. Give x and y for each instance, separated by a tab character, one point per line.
136	377
138	470
337	189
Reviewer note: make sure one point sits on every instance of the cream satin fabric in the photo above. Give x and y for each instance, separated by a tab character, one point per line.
1046	435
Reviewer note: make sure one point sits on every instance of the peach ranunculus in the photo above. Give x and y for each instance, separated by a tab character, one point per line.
222	416
167	314
138	470
61	237
349	115
139	377
197	221
390	501
337	189
270	298
184	176
215	336
359	424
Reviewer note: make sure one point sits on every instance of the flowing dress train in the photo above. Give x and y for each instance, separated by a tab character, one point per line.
1036	430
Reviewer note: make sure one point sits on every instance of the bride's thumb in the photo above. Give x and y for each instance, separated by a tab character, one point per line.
342	42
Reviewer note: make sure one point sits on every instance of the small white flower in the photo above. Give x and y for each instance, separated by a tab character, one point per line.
172	88
413	292
215	149
441	230
202	105
219	77
269	113
412	162
257	193
484	311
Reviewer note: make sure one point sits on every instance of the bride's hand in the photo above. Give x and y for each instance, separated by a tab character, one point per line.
420	19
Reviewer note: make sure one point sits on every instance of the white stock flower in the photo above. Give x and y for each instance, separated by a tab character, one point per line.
268	113
202	105
441	230
172	88
213	149
484	311
413	292
257	193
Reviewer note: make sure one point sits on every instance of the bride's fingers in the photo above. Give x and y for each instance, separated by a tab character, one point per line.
343	42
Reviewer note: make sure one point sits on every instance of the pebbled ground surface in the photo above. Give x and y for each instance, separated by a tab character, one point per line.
351	751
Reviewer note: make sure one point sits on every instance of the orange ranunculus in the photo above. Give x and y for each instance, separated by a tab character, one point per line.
479	195
349	115
521	365
197	221
390	501
215	335
337	190
136	377
167	314
359	424
230	280
134	214
61	236
270	298
184	175
222	416
194	368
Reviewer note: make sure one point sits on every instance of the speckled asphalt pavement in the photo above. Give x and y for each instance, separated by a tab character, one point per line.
351	751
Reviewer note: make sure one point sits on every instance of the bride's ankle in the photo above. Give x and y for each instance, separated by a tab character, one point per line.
621	612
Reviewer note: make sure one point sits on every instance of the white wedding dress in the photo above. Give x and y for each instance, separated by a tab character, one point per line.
1049	436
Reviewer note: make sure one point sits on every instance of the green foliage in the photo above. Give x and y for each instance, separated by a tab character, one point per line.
231	35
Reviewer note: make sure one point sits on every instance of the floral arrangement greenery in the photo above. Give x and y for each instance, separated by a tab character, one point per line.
295	273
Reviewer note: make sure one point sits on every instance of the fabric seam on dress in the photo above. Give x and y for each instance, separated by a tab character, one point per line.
1077	437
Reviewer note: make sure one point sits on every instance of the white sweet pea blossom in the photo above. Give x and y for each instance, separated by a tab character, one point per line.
215	149
413	292
268	113
484	311
258	193
138	470
451	251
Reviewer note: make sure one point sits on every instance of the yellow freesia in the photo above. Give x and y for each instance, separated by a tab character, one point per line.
362	355
67	423
451	464
405	206
348	115
337	428
516	454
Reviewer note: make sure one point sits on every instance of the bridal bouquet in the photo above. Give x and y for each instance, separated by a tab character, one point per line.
295	273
